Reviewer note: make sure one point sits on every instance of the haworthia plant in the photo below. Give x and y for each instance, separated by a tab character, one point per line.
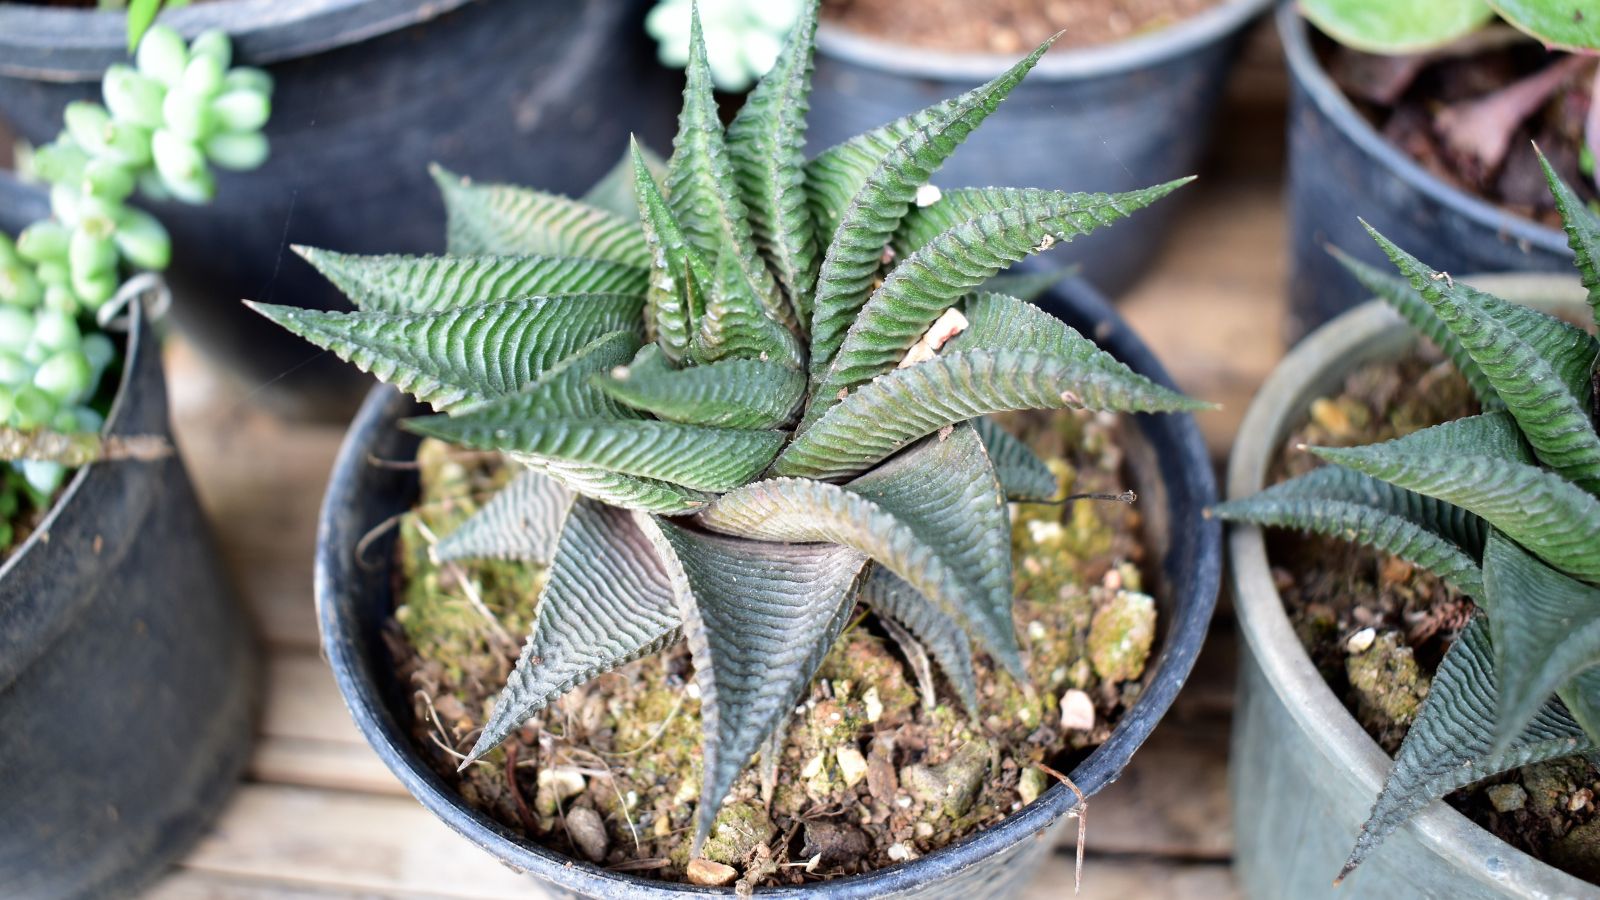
1503	506
653	369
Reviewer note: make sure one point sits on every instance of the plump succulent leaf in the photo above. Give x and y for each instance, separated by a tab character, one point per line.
1023	476
521	522
1397	27
934	515
1539	366
1583	233
468	354
679	273
503	220
734	393
759	618
608	601
733	324
939	635
1545	629
1450	744
419	284
1569	25
616	193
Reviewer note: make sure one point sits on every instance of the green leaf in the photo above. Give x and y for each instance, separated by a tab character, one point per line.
760	617
1449	745
141	15
417	284
1539	365
463	355
734	393
505	220
1583	230
627	491
1560	24
521	522
608	601
616	192
1473	464
1023	476
1398	27
895	409
735	326
679	275
1546	630
933	515
949	265
1581	696
767	144
892	598
854	254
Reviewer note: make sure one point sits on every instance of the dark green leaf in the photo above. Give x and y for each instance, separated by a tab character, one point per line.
417	284
735	326
734	393
1023	476
504	220
679	273
891	598
1583	233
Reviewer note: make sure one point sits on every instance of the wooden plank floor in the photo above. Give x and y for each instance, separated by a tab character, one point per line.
319	815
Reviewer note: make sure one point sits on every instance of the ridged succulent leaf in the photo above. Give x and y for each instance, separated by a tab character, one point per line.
733	324
939	634
521	522
678	274
1022	474
504	220
734	393
1583	234
616	192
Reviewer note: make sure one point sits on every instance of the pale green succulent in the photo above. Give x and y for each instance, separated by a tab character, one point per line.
743	37
1415	26
712	382
1503	506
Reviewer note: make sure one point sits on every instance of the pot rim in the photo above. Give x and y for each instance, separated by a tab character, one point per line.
1367	333
62	44
1143	51
1193	603
1307	72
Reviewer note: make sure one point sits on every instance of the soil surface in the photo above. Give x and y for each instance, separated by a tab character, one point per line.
1377	628
1007	26
1450	112
880	764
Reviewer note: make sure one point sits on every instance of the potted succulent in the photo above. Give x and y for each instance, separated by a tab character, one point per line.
1418	117
367	93
729	409
1461	637
124	658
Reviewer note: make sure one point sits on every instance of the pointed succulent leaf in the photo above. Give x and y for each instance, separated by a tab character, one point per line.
759	617
766	141
1583	233
607	602
1546	630
678	272
567	388
463	355
892	598
895	409
615	191
417	284
1088	211
504	220
1027	285
734	393
996	322
934	515
521	522
1581	697
733	324
1471	464
626	491
1548	394
1449	745
854	254
1023	476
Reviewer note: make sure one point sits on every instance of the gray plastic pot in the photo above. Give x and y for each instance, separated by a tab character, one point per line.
1110	118
355	597
1342	170
1303	773
129	676
369	92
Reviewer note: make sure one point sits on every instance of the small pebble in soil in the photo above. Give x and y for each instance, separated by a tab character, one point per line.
1032	783
1507	797
557	785
852	765
1361	640
1120	635
709	873
1077	711
588	832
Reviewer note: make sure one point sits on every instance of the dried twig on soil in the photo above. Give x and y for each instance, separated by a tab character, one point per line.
1083	821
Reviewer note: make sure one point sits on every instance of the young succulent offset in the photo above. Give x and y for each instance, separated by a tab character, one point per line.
714	383
1503	506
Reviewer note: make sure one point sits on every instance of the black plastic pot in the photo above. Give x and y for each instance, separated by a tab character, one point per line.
128	673
1341	170
355	599
1112	118
368	93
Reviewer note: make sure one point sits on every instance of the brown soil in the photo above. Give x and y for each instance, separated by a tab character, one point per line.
1007	26
1377	627
1411	100
871	774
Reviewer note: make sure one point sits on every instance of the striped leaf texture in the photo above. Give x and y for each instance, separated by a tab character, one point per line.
954	207
1540	366
734	325
759	617
996	322
607	602
854	252
939	634
895	409
1449	745
734	393
420	284
1545	629
627	491
616	192
521	522
934	515
505	220
1583	233
1581	696
1023	476
463	355
766	142
678	273
1471	463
